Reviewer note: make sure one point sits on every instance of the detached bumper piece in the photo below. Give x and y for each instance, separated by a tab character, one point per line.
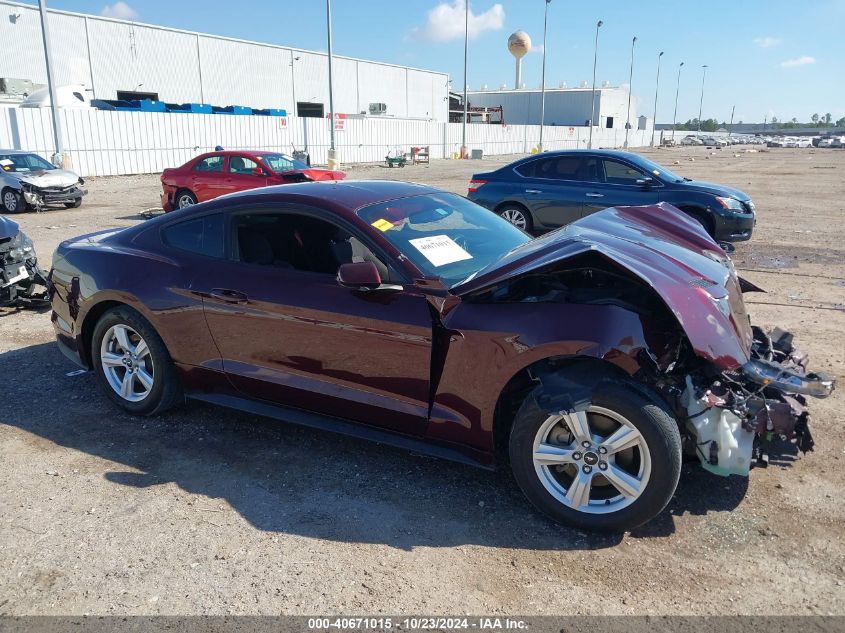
757	415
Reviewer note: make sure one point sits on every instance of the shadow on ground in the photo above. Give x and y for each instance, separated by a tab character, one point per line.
284	478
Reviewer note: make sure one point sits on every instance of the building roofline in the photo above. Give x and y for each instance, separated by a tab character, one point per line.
218	37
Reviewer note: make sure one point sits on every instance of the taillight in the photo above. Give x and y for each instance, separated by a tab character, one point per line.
474	185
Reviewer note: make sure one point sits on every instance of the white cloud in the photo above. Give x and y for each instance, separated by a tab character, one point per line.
446	22
119	10
766	42
537	49
804	60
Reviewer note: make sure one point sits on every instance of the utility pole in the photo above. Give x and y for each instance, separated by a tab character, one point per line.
731	126
58	157
543	79
630	86
701	101
656	86
677	90
466	105
593	102
332	151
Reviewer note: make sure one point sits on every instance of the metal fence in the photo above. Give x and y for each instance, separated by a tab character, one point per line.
110	143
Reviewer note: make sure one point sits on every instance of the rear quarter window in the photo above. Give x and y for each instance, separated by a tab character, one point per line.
203	236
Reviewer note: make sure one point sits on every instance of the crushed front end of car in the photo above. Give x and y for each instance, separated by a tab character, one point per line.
22	282
39	195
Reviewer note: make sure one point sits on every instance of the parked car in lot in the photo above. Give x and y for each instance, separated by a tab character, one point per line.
838	141
217	173
27	182
543	192
825	141
714	141
691	140
587	360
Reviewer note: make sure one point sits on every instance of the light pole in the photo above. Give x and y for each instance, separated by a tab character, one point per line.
466	46
677	90
701	101
656	86
58	157
543	78
593	101
630	84
332	162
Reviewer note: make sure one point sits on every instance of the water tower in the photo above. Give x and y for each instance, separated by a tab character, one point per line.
519	44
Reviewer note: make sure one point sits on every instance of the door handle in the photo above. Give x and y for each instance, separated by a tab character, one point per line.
595	195
533	191
229	296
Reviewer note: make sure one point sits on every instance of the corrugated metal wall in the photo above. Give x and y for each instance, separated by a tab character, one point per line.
106	143
187	67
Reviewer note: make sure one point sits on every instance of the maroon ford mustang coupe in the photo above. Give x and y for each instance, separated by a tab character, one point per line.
589	360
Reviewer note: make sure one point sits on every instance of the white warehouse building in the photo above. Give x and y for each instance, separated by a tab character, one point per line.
117	59
564	106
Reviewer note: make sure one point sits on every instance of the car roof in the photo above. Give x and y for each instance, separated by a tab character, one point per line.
341	196
15	151
239	152
609	153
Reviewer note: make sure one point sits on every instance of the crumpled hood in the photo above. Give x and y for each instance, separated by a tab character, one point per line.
8	228
47	177
716	190
667	250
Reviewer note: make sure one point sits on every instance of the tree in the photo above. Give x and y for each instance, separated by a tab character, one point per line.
774	120
815	120
841	122
827	118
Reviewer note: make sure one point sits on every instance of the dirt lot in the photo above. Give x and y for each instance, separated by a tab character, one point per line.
208	511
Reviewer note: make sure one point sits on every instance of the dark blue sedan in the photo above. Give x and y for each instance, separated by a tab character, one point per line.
545	191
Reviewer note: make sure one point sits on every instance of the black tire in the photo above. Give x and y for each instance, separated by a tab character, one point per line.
703	220
657	428
166	392
511	210
11	201
74	205
180	200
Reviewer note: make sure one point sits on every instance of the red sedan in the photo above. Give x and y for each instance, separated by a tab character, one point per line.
216	173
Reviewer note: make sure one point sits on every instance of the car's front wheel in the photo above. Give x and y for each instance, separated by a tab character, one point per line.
74	204
132	364
12	201
185	198
610	464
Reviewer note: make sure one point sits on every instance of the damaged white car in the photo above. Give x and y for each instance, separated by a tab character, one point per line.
27	181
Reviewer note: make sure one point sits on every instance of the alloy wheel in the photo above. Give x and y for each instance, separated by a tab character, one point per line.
127	363
10	201
185	200
515	217
594	461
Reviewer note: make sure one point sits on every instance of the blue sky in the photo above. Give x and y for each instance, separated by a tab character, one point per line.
767	57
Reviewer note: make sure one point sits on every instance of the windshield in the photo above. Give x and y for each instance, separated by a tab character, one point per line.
280	162
443	234
655	169
23	163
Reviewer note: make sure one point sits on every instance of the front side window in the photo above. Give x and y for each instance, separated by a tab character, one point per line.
203	236
280	163
444	235
212	163
617	173
242	165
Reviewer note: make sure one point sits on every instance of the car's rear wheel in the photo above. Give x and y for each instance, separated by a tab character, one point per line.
75	204
132	364
516	215
185	198
12	201
610	464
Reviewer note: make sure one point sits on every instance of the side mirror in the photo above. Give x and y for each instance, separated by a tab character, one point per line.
257	171
648	181
360	275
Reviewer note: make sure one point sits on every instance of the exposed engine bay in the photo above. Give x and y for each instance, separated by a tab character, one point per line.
22	282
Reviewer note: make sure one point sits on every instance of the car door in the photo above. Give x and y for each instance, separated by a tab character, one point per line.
206	178
551	189
297	338
243	172
611	182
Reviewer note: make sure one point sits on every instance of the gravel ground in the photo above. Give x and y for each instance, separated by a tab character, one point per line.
208	511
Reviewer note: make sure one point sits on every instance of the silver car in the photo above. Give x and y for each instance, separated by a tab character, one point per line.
27	181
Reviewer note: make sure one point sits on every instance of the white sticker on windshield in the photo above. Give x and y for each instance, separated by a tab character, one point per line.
440	249
5	162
